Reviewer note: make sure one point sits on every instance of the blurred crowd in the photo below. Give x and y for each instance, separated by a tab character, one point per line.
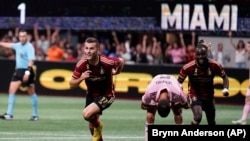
54	44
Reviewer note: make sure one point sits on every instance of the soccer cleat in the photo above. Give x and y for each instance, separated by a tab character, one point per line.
34	118
97	136
100	139
239	122
6	116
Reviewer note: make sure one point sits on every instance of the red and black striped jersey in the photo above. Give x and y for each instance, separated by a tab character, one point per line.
100	81
201	80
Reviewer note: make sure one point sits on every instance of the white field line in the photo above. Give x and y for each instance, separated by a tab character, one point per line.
39	136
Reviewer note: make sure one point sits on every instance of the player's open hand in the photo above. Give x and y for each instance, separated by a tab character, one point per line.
86	74
114	71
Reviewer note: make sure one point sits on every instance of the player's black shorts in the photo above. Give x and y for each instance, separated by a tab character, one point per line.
18	76
208	105
103	102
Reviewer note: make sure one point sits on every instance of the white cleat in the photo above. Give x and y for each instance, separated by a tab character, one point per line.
239	122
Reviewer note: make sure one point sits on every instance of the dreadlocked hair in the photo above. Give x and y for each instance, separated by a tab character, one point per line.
205	44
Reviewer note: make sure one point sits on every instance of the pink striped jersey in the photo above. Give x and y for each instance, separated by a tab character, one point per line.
159	83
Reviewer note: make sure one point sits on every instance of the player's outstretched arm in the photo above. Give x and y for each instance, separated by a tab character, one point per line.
5	44
225	85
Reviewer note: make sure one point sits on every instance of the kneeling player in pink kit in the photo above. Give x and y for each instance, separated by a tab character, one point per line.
163	93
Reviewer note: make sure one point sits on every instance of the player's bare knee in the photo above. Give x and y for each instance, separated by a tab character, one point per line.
86	115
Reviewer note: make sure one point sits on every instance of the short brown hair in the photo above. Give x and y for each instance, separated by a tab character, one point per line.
92	40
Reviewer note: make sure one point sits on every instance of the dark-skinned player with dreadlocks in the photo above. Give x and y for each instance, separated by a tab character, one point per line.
201	73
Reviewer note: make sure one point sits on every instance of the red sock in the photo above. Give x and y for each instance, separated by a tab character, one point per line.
91	128
95	121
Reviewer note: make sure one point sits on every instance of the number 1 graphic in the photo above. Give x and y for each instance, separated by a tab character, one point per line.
22	8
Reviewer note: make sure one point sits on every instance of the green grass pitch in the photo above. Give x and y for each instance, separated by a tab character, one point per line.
60	120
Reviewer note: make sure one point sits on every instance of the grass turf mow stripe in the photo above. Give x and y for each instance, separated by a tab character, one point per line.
61	119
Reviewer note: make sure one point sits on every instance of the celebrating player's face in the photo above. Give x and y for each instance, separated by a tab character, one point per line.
90	50
23	37
201	55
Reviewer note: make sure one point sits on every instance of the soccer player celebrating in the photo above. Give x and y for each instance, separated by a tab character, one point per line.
163	93
201	73
23	75
97	71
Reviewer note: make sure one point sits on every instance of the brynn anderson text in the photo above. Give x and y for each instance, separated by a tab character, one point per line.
185	132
